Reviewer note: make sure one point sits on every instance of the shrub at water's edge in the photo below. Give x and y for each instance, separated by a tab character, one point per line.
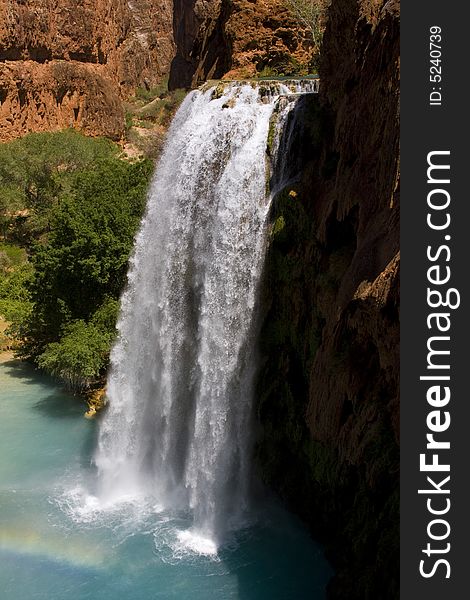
71	207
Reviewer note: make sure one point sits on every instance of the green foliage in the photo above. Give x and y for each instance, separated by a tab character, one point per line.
80	355
13	255
35	173
15	304
84	261
148	94
129	121
80	209
106	316
311	15
160	111
279	225
268	72
174	99
15	275
148	117
14	285
272	131
282	65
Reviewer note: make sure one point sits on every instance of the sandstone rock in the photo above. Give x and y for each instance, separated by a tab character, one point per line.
236	39
110	47
125	44
360	84
57	95
96	402
133	39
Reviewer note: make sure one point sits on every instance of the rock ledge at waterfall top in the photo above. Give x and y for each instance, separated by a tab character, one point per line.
265	85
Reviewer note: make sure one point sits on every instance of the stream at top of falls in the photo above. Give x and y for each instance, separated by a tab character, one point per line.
157	498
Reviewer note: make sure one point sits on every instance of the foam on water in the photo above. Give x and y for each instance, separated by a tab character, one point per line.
193	541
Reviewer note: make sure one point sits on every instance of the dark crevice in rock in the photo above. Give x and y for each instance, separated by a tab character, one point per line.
85	56
10	54
22	97
202	48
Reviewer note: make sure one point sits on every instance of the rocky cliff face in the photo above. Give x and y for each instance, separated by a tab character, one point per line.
236	39
69	63
328	393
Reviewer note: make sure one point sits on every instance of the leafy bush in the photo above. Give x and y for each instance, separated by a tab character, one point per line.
14	255
35	173
80	355
81	208
15	304
84	261
106	316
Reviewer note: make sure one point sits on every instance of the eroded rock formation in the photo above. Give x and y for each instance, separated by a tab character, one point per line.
69	63
329	385
236	39
58	95
114	46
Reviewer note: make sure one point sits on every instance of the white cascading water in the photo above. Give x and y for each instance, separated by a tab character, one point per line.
180	389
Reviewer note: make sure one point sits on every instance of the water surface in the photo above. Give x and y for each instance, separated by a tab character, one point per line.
55	545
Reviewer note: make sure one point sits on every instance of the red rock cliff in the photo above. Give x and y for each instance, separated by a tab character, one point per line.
328	393
69	63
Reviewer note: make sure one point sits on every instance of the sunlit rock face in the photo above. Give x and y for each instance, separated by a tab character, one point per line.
113	46
236	39
68	64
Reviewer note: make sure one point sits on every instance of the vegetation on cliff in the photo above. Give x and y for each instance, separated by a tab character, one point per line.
72	206
148	115
312	15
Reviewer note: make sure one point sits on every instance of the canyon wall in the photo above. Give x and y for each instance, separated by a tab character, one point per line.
70	63
236	39
328	404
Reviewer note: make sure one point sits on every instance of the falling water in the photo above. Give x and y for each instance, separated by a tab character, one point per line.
178	426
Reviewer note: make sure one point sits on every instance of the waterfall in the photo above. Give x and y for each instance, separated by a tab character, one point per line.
178	425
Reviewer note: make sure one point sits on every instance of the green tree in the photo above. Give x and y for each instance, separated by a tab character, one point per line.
79	357
35	171
84	261
310	14
15	300
76	206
